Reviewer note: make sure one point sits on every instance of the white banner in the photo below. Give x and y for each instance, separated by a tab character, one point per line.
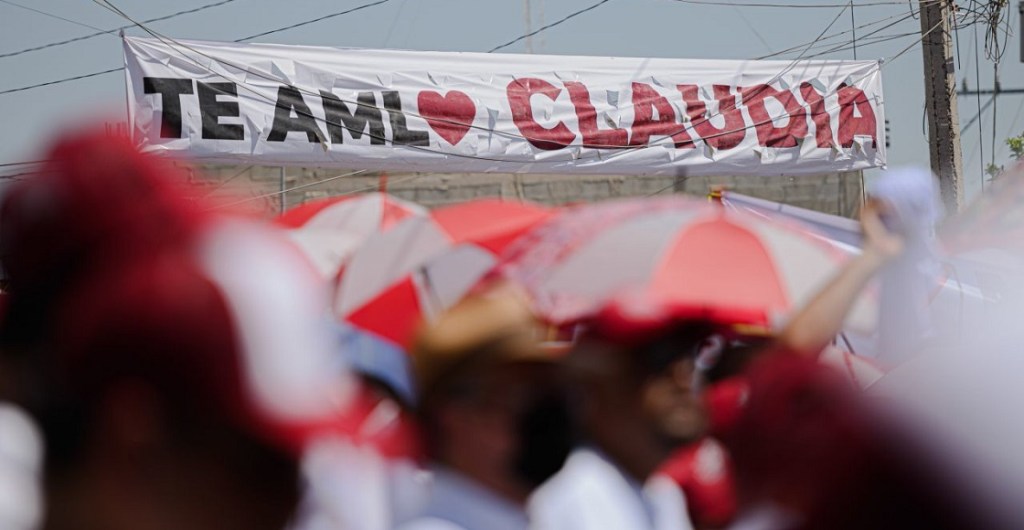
474	112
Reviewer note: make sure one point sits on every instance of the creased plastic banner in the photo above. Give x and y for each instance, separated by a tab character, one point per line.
474	112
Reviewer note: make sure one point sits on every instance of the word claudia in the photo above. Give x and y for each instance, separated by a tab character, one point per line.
452	115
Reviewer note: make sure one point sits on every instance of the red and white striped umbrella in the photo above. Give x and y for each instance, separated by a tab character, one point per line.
672	250
330	230
425	264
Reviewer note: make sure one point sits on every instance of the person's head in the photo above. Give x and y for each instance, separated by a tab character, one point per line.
184	386
176	364
490	400
94	202
640	388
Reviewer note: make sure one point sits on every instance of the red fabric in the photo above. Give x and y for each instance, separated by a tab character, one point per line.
160	320
96	198
703	471
725	402
719	262
392	213
635	319
489	223
394	314
807	443
95	203
157	319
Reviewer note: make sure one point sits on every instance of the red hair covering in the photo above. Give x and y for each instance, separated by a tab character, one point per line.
96	201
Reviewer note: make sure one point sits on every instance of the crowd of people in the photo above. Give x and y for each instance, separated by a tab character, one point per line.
179	367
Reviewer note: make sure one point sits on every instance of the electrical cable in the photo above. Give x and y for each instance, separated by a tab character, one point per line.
313	21
51	15
94	74
794	6
824	40
107	32
58	81
549	26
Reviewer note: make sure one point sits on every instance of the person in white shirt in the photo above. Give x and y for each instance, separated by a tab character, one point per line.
492	410
638	403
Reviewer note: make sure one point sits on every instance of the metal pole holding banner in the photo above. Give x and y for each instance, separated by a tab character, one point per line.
283	204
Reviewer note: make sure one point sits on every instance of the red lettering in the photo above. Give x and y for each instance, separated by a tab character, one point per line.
727	137
645	101
849	125
819	115
768	134
519	92
587	117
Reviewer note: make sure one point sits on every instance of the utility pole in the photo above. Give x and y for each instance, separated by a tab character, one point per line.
940	101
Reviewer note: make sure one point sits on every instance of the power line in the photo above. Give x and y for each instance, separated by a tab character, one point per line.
804	6
95	74
51	15
58	81
895	18
101	32
549	26
315	20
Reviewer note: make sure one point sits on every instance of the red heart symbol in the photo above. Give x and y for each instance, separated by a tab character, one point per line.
450	115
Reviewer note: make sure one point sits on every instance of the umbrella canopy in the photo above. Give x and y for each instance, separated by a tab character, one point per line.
841	232
675	250
426	264
330	230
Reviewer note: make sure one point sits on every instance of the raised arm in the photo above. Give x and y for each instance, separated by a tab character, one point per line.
817	323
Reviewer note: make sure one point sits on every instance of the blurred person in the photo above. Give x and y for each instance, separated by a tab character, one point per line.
639	403
175	364
810	451
493	413
376	478
94	202
80	208
20	470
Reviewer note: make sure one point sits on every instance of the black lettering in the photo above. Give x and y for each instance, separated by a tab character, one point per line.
402	135
212	110
170	90
366	116
289	101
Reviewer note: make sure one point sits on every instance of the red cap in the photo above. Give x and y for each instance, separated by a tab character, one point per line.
632	319
94	194
95	201
233	324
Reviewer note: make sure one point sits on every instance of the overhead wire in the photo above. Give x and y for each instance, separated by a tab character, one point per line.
112	70
753	29
51	15
313	21
822	42
101	32
791	5
59	81
549	26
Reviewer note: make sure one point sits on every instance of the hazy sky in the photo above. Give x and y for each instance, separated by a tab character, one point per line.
638	28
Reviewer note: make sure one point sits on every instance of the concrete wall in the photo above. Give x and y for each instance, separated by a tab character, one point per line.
259	187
